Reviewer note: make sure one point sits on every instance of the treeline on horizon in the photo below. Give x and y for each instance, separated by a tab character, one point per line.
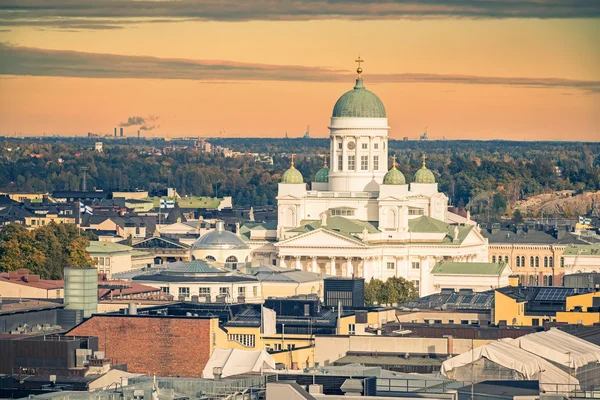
506	170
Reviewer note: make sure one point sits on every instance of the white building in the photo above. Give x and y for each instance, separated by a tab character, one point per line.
361	219
581	258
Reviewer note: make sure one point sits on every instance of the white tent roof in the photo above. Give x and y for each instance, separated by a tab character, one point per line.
560	347
235	362
510	356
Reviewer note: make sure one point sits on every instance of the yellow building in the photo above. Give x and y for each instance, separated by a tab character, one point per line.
532	306
42	220
22	284
21	196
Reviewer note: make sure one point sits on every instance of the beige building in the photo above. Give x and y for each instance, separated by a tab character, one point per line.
536	256
581	259
222	247
22	284
114	258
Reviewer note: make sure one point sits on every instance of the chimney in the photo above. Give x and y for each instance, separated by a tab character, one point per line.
449	344
121	132
138	133
132	309
513	280
115	132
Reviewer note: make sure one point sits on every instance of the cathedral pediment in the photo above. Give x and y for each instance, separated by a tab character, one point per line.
392	198
418	197
322	238
288	197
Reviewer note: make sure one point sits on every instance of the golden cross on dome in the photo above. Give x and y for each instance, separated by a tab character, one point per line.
394	162
358	61
423	157
324	161
293	155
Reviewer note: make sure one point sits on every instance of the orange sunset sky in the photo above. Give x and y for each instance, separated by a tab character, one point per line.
464	69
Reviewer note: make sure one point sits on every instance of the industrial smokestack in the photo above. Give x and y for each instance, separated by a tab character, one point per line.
121	132
138	133
115	132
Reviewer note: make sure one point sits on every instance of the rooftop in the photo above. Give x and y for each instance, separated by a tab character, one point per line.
23	277
107	248
588	250
468	268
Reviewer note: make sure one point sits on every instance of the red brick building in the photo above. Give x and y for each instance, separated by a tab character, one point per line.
161	345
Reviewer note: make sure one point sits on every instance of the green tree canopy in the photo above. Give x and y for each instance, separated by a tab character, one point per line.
394	290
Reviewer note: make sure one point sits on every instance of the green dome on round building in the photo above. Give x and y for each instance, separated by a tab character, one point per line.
292	175
359	103
424	175
322	175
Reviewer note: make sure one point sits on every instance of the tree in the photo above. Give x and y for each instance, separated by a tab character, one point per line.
78	256
394	290
517	217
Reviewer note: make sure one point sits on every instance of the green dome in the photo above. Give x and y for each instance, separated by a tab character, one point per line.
424	176
292	175
322	175
359	103
394	177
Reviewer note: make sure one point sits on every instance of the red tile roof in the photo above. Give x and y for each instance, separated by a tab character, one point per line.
28	280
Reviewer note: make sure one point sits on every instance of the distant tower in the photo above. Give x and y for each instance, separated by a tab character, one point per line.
84	184
307	134
121	132
424	135
115	132
138	133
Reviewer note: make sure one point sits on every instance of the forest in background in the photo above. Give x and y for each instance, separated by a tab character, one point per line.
501	172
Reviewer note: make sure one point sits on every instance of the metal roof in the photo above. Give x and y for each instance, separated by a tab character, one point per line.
468	268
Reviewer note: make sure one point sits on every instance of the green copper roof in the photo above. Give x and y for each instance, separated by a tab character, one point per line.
425	224
292	175
322	175
424	176
587	250
468	268
359	103
394	177
106	248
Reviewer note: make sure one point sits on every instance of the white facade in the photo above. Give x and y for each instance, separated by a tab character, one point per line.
355	225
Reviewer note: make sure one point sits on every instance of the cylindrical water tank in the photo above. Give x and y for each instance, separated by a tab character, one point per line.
132	309
81	290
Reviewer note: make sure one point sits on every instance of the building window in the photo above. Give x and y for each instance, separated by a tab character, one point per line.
164	289
537	261
518	260
551	262
277	346
223	291
376	163
376	146
365	146
255	291
340	145
340	162
184	291
493	259
416	285
535	321
245	340
415	211
351	329
416	265
531	263
291	346
351	163
242	291
210	258
562	262
550	281
390	265
506	259
231	262
364	163
204	291
342	212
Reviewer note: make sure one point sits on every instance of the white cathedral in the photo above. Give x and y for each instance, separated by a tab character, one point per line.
360	219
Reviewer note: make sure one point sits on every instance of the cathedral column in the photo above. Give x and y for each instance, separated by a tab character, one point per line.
344	155
332	266
349	268
282	261
332	156
371	163
356	155
314	264
298	263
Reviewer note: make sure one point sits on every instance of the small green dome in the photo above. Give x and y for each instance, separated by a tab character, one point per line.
322	175
424	176
359	103
394	177
292	175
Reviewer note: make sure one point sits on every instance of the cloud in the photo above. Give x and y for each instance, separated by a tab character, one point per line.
110	14
17	60
131	121
146	124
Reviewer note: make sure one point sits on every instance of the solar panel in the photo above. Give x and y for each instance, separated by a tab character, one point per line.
452	299
481	299
554	294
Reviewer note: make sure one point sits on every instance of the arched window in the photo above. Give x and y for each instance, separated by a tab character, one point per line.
551	262
522	261
289	217
545	280
531	280
210	258
531	264
231	262
493	259
562	262
546	261
550	281
537	261
522	280
518	261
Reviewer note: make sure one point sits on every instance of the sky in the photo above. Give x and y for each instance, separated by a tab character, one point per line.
462	69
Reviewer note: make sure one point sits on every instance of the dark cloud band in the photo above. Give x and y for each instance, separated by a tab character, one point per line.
17	60
111	14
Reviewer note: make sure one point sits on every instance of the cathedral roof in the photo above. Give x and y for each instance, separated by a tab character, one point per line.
322	175
394	177
468	268
359	103
424	175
